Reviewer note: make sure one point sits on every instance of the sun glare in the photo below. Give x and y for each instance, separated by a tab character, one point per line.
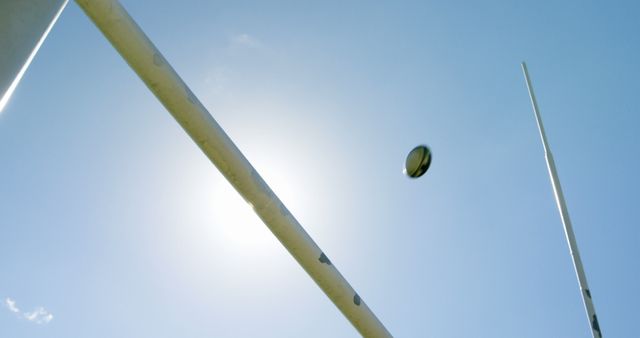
237	226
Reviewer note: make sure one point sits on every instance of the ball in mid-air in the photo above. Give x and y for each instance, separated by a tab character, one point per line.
418	161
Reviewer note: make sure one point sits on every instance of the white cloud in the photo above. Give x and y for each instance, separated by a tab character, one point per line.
11	305
39	316
244	40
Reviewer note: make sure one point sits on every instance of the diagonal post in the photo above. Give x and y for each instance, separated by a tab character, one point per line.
147	61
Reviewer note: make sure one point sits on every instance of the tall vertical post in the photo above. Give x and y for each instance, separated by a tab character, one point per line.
25	25
564	215
147	61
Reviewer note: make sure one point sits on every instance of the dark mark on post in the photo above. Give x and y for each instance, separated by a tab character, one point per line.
595	325
324	259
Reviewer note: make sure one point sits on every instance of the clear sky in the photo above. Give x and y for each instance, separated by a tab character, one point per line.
115	223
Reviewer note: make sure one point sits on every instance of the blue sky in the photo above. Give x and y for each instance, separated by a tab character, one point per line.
114	222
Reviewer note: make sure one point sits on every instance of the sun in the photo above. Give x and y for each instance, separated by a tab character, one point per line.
238	228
